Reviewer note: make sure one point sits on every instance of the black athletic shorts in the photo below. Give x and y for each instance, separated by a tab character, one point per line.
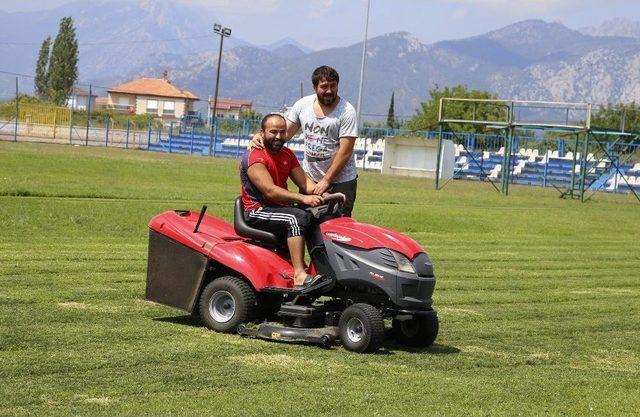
281	221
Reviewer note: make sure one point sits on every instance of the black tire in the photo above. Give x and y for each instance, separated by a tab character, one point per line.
227	302
420	331
361	328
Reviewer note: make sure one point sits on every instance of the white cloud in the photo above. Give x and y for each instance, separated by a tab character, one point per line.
460	13
318	8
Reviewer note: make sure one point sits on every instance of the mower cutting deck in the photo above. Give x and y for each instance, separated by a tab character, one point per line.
238	279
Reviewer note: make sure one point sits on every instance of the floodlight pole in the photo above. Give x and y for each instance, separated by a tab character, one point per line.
222	31
364	59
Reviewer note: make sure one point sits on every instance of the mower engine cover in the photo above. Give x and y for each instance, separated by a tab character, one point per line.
364	254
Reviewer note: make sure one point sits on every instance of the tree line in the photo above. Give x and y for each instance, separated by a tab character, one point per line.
57	65
621	116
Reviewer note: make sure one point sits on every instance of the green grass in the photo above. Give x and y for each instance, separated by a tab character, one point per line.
538	297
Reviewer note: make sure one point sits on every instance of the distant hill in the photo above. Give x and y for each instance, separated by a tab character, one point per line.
532	59
614	27
288	41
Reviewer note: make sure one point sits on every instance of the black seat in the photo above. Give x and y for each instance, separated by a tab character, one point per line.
244	230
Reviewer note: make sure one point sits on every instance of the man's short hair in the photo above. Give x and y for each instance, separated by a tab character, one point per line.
270	115
324	72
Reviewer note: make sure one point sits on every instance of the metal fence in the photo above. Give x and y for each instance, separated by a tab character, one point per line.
532	155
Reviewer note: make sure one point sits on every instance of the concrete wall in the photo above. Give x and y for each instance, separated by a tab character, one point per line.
416	157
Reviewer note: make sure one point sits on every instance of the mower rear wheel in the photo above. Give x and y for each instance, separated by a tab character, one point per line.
227	302
420	331
361	328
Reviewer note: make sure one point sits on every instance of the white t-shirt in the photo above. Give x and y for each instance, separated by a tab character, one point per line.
321	137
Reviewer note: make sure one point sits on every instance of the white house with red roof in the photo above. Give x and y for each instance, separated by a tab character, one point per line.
155	96
79	99
229	107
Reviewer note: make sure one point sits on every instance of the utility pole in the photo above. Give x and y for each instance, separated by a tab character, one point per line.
86	138
15	129
74	97
223	32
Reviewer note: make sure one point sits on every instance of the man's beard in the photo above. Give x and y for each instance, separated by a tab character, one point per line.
327	100
275	145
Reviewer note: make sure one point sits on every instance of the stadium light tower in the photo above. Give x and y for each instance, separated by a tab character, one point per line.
364	58
223	32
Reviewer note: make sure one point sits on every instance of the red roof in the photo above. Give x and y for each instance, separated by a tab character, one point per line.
153	87
82	92
230	103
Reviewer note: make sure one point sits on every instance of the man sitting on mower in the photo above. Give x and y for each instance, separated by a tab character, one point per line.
268	204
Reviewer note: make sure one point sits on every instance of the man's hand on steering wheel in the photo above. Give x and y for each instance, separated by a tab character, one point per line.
321	187
256	142
329	204
312	200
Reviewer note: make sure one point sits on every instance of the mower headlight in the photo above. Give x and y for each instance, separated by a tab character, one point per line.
404	264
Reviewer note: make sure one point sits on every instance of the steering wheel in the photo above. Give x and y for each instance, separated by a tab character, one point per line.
330	206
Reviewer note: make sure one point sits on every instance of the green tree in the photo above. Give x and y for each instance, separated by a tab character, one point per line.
426	116
63	65
42	70
617	117
391	120
251	114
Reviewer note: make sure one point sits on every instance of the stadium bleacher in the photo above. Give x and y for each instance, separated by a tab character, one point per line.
367	151
529	166
548	169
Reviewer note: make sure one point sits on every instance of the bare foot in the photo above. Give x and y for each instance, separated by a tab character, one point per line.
298	279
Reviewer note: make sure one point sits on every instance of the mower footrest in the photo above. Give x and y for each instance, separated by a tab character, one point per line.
280	290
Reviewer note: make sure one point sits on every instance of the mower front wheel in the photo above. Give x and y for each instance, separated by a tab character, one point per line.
420	331
361	328
227	302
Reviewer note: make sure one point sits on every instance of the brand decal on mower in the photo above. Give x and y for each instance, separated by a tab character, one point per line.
338	237
377	277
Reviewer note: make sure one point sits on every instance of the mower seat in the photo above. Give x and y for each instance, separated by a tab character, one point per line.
244	230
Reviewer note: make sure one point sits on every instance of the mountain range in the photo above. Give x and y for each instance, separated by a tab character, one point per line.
531	59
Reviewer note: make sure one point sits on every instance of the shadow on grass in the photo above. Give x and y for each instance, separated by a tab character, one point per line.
188	320
389	346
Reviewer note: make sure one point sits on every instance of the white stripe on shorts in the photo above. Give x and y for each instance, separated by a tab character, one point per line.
281	217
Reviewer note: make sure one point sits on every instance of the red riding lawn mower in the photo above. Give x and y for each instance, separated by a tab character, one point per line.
238	279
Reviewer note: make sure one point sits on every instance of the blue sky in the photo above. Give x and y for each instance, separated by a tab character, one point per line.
330	23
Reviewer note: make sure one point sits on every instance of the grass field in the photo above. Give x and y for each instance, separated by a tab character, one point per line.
538	297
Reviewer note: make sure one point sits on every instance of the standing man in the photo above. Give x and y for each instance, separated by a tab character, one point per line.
329	130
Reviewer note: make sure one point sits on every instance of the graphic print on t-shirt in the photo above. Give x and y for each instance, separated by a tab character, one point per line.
318	144
321	136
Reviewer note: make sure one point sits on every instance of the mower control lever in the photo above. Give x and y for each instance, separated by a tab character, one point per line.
204	210
331	204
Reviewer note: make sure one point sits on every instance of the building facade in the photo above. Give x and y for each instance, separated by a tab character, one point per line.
154	96
229	108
